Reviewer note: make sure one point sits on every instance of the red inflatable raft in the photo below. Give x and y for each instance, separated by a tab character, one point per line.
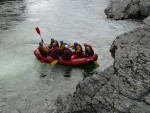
72	62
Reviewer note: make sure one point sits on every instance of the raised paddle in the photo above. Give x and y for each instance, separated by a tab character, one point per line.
38	31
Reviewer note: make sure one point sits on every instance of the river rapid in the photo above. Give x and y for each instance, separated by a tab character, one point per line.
28	86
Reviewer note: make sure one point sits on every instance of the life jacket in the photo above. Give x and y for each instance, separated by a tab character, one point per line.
43	50
67	54
51	44
55	53
89	52
76	49
62	48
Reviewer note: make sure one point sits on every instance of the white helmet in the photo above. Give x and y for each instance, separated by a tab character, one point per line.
66	46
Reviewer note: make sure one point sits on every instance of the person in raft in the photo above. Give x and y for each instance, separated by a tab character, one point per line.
62	47
88	50
51	43
67	53
55	52
78	50
43	50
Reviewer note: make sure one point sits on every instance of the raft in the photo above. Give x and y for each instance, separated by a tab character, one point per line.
72	62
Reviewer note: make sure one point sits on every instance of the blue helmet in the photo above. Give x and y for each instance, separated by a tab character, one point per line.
75	43
69	45
61	41
52	39
54	44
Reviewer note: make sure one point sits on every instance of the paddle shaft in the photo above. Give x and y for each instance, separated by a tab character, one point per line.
38	31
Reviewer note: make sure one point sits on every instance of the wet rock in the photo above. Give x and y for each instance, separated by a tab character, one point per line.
140	107
147	20
121	88
122	9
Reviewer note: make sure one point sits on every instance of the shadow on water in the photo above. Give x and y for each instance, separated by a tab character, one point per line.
11	11
67	71
86	70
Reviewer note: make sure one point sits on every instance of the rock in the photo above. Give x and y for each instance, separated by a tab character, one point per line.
132	63
140	107
121	88
123	9
63	104
147	20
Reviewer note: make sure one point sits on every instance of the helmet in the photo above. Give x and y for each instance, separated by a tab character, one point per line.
66	46
75	43
61	41
52	39
69	45
54	45
85	44
40	43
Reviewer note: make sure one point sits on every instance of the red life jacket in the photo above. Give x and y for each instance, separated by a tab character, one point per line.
55	53
67	54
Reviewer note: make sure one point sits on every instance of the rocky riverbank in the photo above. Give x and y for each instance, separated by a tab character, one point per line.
123	9
121	88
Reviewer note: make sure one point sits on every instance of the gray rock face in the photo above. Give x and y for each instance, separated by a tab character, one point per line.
122	9
147	20
121	88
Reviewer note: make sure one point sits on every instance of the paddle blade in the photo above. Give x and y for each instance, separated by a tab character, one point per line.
37	30
97	65
54	62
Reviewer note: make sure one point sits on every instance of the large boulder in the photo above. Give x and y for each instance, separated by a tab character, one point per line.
147	20
121	88
122	9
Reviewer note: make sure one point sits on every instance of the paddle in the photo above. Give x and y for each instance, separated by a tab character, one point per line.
97	65
54	62
38	31
43	60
